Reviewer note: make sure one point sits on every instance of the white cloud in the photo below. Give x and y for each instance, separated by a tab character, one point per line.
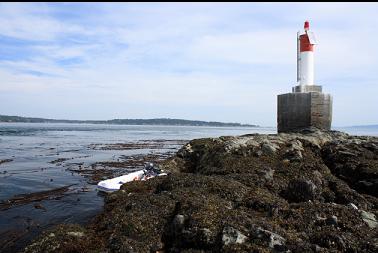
261	47
33	22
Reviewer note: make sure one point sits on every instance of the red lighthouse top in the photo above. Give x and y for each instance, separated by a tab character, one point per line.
307	25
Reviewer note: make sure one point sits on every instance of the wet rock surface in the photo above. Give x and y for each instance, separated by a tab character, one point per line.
298	192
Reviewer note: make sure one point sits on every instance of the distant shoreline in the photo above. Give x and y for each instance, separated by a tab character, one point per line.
156	121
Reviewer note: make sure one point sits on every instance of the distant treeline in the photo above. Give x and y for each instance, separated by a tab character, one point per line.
160	121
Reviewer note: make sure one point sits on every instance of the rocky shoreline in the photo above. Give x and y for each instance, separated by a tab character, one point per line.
310	191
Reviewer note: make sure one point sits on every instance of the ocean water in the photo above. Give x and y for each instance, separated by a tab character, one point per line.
359	130
33	146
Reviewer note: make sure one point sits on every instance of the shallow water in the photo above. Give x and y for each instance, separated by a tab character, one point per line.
362	130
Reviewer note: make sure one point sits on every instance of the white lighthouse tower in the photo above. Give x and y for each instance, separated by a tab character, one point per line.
306	106
305	56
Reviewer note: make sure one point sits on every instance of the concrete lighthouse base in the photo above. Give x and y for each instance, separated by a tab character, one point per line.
305	107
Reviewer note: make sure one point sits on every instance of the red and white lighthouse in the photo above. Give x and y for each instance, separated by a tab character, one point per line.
306	106
305	56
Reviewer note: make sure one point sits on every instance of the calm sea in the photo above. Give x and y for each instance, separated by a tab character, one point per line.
31	147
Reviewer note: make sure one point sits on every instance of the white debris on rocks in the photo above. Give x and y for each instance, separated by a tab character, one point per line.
188	148
353	206
232	235
76	234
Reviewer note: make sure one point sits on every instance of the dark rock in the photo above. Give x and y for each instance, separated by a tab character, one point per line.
178	222
67	238
39	206
318	178
300	190
331	220
329	240
157	247
268	175
369	185
293	155
5	161
355	161
258	153
273	240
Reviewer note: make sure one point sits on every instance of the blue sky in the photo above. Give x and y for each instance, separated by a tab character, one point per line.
202	61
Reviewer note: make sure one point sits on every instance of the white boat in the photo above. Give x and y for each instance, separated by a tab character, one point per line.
114	184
